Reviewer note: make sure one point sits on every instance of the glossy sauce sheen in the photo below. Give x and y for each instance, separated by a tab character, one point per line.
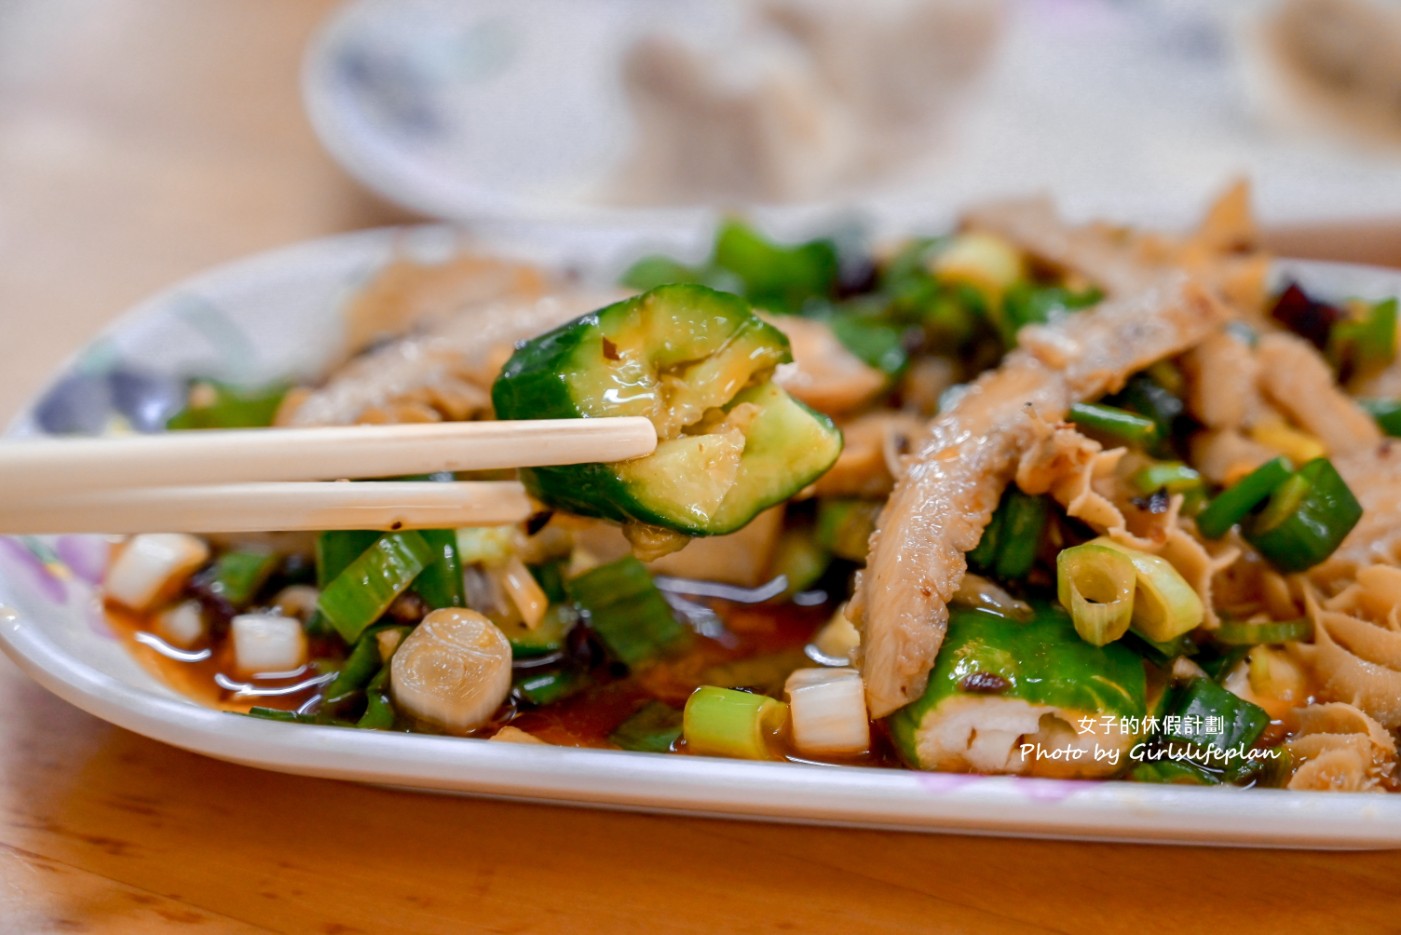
757	648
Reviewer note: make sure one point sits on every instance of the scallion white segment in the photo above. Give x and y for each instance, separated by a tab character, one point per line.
827	712
1165	606
452	672
1096	584
265	643
181	625
151	566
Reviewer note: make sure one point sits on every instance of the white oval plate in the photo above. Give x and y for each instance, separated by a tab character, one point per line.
278	314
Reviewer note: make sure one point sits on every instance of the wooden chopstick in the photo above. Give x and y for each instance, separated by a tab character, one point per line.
273	507
63	466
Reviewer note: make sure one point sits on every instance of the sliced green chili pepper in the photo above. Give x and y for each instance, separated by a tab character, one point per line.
627	611
1173	772
1118	424
360	594
697	363
1234	503
1041	662
1306	519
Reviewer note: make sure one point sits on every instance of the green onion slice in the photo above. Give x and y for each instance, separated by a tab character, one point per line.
1306	519
1165	606
726	722
1096	584
239	575
360	594
1244	633
1119	424
440	582
1172	476
655	728
1234	503
627	611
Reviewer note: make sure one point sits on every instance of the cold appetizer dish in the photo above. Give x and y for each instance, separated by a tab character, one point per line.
1029	498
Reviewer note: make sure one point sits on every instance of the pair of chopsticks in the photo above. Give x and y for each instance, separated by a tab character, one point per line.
249	480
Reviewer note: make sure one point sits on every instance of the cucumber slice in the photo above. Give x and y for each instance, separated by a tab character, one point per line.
697	363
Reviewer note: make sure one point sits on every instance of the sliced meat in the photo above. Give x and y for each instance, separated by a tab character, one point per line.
444	374
956	474
1098	252
824	374
1298	380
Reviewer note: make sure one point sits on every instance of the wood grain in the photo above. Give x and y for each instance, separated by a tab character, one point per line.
142	141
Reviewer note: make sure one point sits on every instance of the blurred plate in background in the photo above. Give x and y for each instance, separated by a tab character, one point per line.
545	110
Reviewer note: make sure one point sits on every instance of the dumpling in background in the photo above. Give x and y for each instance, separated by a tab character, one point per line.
803	97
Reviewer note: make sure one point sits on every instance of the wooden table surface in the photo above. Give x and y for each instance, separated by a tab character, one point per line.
142	140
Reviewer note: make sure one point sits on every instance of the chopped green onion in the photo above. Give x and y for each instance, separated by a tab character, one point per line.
1387	412
360	594
1147	396
486	545
1172	476
726	722
1306	519
336	550
357	670
277	714
627	611
1215	726
1235	502
844	527
550	577
1244	633
379	709
1023	520
652	271
239	575
1365	341
440	582
1162	652
800	559
1027	303
542	688
360	667
546	638
1118	424
1165	606
228	407
775	277
1012	539
1096	585
654	728
879	344
1098	593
